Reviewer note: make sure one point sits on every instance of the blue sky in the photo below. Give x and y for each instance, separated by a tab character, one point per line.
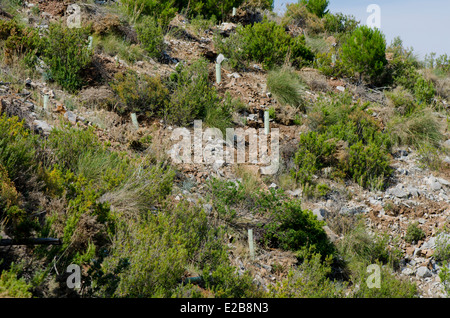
423	25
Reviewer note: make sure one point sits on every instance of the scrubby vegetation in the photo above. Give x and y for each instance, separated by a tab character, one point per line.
138	224
265	42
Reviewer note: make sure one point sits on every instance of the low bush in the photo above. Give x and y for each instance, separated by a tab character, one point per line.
315	153
8	193
17	149
141	188
16	221
163	10
66	144
404	72
200	24
113	45
265	42
288	226
220	115
229	198
226	283
191	93
414	233
150	256
19	40
13	286
286	86
317	7
291	228
402	101
444	276
365	53
368	165
390	285
298	14
345	137
193	97
424	90
340	23
211	8
139	94
331	64
65	51
310	280
85	224
418	129
151	36
440	64
442	252
358	246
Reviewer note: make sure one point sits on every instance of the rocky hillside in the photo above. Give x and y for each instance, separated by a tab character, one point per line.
364	174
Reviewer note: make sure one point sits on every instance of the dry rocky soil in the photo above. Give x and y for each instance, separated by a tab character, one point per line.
416	193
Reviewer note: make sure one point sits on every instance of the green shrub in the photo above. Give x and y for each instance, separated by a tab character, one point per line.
315	152
220	115
323	189
85	221
65	51
16	220
106	169
113	45
229	198
331	64
404	71
442	251
418	129
444	275
291	228
365	52
155	254
414	233
430	157
18	40
424	90
368	165
390	285
192	93
8	193
17	149
226	197
226	283
318	7
286	86
402	101
265	42
443	63
13	286
298	14
210	8
151	37
140	94
150	256
142	187
199	24
440	64
344	136
310	280
163	10
402	56
258	4
358	246
68	143
340	23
